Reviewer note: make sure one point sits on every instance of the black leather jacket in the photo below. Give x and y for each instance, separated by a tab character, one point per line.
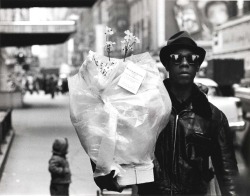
183	149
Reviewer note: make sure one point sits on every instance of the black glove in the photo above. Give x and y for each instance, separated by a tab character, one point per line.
108	182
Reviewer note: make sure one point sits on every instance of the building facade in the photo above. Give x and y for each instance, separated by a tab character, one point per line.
8	54
232	39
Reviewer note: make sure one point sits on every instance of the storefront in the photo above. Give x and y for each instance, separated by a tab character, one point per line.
232	41
27	33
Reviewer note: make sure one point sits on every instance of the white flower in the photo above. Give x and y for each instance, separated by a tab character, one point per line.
127	38
136	39
90	56
123	42
128	33
109	31
109	43
109	46
128	42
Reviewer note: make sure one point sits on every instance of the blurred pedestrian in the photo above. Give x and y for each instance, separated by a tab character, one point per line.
59	168
45	84
53	85
36	86
65	87
29	84
197	133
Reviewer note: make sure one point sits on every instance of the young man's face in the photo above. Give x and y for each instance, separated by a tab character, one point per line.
183	66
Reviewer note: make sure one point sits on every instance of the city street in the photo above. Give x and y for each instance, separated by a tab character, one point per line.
36	126
43	43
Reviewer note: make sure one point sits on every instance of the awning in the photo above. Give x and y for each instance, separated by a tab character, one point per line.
45	3
28	33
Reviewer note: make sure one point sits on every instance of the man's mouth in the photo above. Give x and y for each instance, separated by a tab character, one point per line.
184	73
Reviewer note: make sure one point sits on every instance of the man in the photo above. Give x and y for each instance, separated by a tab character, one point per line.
197	130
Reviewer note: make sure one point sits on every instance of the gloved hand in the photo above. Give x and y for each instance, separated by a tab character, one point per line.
108	182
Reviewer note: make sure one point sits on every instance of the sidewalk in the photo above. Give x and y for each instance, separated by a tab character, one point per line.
35	127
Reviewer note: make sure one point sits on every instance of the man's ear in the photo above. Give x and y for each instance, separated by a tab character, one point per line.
166	65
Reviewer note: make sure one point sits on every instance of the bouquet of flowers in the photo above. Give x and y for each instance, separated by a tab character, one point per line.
118	108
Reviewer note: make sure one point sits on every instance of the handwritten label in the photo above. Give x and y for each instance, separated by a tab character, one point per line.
132	77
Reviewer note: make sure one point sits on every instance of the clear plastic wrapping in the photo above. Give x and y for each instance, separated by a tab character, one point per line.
118	128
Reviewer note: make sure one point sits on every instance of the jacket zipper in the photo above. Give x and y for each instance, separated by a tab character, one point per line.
175	137
173	160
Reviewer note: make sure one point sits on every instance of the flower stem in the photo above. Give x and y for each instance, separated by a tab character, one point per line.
125	54
108	51
126	50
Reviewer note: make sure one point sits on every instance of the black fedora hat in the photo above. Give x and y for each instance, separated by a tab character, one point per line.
181	40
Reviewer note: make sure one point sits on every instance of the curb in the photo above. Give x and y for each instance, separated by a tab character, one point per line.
5	148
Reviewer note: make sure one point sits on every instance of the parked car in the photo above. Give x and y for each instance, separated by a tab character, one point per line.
242	91
230	106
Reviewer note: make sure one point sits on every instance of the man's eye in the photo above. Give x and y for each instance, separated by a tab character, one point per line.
175	56
195	57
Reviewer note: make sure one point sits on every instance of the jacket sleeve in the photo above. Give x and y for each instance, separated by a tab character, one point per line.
55	166
223	157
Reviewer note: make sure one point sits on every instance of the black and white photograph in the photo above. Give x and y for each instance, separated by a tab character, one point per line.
124	97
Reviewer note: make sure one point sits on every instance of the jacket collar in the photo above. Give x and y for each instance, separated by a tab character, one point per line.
200	103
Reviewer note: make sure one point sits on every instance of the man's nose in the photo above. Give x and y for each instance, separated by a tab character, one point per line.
184	61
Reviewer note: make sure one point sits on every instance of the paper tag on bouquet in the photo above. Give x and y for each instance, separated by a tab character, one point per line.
132	77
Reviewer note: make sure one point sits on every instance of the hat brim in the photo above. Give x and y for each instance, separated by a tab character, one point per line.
169	49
